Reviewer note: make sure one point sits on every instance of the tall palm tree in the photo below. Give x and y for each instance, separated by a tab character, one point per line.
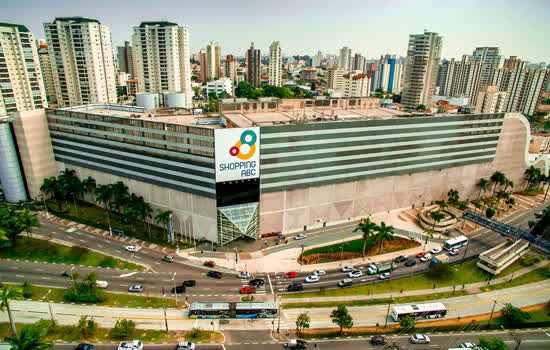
145	212
498	178
162	218
477	205
385	233
442	204
27	221
367	227
104	194
89	185
32	338
48	189
436	216
484	185
547	181
7	294
502	195
509	183
453	196
533	174
120	191
71	185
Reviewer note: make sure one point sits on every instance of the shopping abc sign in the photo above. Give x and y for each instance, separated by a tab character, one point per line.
237	154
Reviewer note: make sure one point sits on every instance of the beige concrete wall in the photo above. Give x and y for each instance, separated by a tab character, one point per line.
35	148
290	211
194	216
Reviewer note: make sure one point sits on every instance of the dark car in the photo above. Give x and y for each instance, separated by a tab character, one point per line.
258	282
189	283
214	274
378	340
66	274
295	287
84	346
209	263
296	344
178	289
401	258
410	263
346	282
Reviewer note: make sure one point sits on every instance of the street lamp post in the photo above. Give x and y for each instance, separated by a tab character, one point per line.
49	305
465	251
164	308
175	291
279	315
388	312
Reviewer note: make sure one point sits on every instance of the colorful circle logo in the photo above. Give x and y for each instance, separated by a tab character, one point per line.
248	138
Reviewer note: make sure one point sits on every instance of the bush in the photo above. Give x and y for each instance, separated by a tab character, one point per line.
440	271
514	315
407	322
86	326
27	289
490	212
78	251
194	334
48	326
123	328
530	260
85	294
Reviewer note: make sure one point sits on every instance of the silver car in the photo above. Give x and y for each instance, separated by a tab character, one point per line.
135	288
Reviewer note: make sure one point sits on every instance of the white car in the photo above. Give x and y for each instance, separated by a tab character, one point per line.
131	248
371	270
243	275
419	339
384	275
453	251
130	345
436	250
348	268
101	284
426	257
355	274
184	345
135	288
467	346
300	236
320	272
312	279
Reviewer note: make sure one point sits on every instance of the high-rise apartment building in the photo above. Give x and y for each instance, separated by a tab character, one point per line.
161	52
47	75
490	100
421	68
125	56
253	63
317	59
490	59
442	72
275	64
202	63
344	60
512	63
463	78
213	60
21	85
356	85
230	68
82	61
335	78
389	78
359	63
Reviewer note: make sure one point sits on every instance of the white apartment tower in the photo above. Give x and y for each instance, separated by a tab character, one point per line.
161	52
317	59
344	60
21	85
490	100
421	68
47	75
275	64
490	59
462	78
356	85
335	78
213	52
82	61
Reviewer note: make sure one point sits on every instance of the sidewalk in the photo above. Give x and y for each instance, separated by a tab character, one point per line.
473	288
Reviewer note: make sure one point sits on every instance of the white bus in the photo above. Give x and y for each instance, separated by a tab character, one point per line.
455	242
431	310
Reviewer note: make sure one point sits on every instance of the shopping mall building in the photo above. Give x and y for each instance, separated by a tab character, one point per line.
269	165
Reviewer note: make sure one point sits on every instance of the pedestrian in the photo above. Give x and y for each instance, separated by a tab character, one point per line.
434	285
401	290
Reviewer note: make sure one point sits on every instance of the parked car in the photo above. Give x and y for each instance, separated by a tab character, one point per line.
130	345
178	290
401	258
426	257
185	345
371	270
168	258
378	340
209	263
467	345
419	339
291	274
384	275
355	274
258	282
189	283
214	274
116	231
539	215
437	250
84	346
312	279
247	290
295	287
319	272
135	288
131	248
65	274
453	251
300	236
421	254
101	284
348	268
296	344
410	263
346	282
243	275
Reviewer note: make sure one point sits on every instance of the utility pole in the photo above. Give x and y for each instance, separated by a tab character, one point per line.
279	315
49	305
388	313
465	251
342	255
491	318
164	307
516	337
175	291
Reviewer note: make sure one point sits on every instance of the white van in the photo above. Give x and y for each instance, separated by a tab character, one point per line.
102	284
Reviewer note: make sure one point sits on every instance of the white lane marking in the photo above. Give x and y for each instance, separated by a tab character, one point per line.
69	237
125	285
270	285
46	278
14	267
81	240
100	246
128	274
71	230
19	275
156	262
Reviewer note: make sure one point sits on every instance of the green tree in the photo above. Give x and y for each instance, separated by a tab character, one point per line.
341	317
484	185
120	192
490	212
144	212
453	196
442	204
407	322
245	89
9	224
421	108
123	328
89	185
440	271
104	195
492	344
436	216
367	227
86	326
7	294
533	176
197	91
546	180
502	195
477	205
32	337
48	189
514	315
27	289
302	321
385	233
498	178
162	218
70	185
27	221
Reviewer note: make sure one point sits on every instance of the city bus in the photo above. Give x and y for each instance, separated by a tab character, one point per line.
233	310
456	242
431	310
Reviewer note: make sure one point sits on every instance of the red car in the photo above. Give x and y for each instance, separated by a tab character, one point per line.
421	254
247	290
291	274
209	263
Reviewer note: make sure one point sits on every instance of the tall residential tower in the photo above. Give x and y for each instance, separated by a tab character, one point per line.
275	64
213	52
253	60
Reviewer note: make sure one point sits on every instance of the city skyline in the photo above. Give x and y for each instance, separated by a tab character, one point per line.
369	29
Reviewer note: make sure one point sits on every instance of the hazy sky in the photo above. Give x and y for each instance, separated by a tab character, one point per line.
303	27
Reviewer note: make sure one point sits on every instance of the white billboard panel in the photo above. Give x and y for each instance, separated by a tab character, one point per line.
237	154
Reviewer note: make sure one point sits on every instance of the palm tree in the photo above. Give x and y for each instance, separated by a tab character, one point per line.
477	205
89	185
91	279
547	181
484	185
7	294
385	233
508	183
145	212
162	218
502	195
71	185
453	196
48	189
120	191
31	338
533	175
104	194
436	216
27	221
442	204
367	227
498	178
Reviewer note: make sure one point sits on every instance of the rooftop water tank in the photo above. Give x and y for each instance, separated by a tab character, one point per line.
147	100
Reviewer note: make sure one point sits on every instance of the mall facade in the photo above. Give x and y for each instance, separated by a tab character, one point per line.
266	166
